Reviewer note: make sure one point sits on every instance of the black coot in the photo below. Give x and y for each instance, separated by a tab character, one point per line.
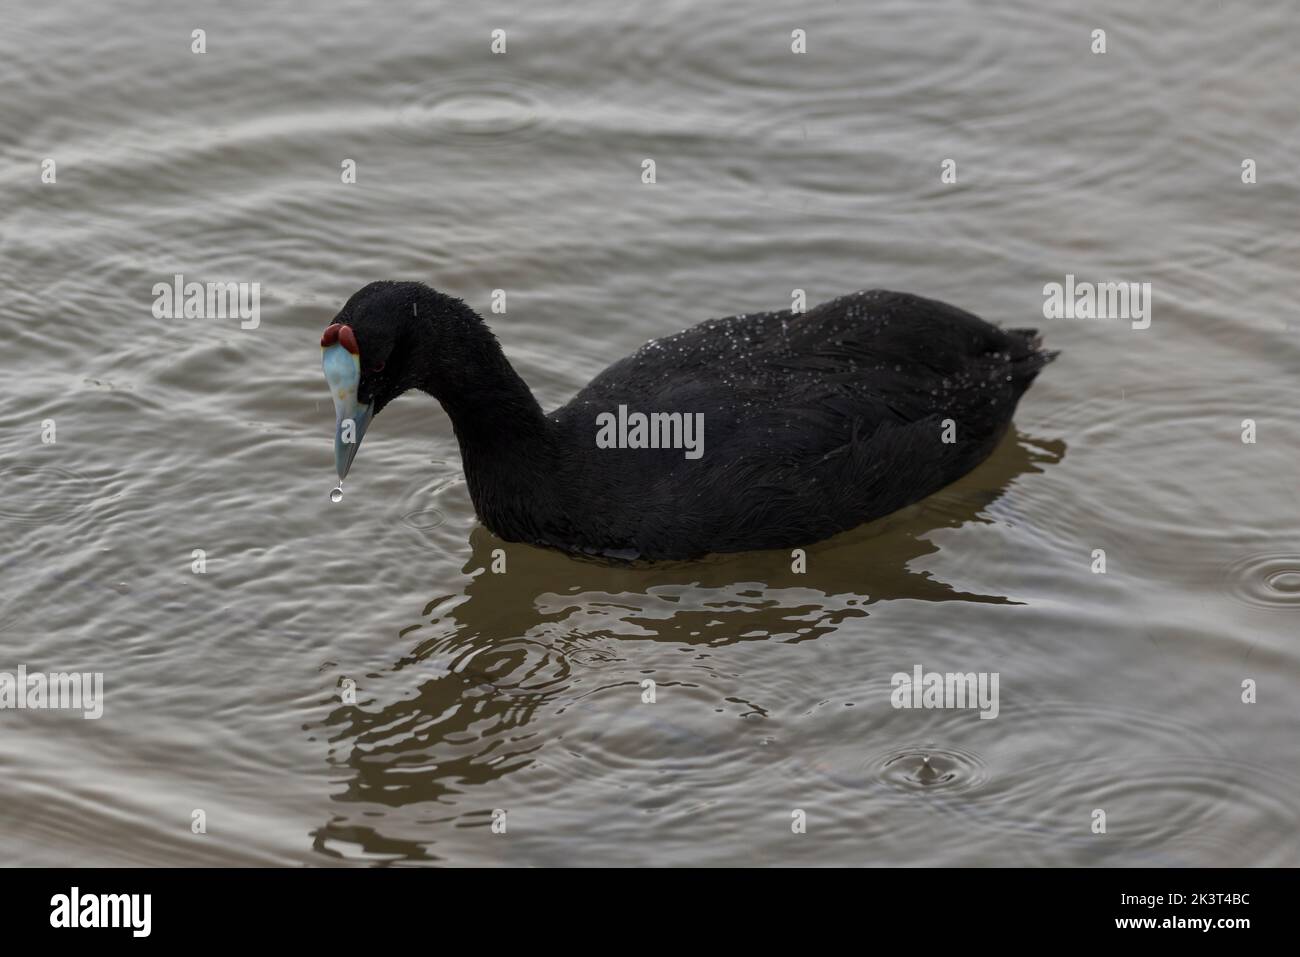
784	428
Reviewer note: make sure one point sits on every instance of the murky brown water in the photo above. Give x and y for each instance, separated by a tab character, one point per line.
522	691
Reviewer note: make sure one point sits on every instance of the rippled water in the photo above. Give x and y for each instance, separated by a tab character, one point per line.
229	691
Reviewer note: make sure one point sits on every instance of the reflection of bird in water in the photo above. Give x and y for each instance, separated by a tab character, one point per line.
475	669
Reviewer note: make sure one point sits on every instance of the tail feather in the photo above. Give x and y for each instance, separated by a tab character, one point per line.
1029	360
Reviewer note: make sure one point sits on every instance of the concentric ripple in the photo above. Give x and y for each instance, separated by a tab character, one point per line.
42	494
931	769
1162	809
1270	581
474	110
424	519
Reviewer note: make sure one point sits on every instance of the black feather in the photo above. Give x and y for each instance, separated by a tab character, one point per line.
813	423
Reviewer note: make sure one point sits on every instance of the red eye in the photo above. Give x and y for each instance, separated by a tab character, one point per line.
377	367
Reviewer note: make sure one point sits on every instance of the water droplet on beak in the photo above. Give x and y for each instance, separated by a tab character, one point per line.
336	493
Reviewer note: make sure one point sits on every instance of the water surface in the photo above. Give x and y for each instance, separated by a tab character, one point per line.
522	691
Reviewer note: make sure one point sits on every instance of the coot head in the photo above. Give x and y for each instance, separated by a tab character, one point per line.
394	336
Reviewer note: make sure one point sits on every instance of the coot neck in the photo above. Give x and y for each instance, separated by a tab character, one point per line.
504	436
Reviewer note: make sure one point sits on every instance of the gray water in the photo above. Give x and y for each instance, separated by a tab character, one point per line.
226	691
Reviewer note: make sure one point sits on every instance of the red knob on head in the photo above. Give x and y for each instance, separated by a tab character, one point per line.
330	335
348	340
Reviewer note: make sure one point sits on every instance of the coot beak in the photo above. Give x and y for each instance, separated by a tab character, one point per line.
343	374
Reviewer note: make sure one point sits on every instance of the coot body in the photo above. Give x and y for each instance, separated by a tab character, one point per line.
783	428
